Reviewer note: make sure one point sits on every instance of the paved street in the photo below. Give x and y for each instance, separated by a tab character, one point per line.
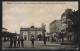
39	44
5	44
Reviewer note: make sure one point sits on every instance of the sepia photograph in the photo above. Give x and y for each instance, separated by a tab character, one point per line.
41	25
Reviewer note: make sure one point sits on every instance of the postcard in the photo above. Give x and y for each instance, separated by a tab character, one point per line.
41	25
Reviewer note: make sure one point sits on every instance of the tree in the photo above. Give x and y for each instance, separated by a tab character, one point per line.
75	27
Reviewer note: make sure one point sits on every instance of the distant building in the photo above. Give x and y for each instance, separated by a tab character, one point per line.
6	35
32	31
55	26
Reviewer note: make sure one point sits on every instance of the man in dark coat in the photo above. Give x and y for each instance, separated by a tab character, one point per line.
11	42
15	41
18	44
22	42
32	40
45	39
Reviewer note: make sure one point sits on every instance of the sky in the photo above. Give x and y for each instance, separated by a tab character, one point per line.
26	14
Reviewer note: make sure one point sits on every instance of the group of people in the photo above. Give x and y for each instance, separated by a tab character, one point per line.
16	42
33	39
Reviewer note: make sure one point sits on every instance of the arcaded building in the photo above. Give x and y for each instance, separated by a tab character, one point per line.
31	31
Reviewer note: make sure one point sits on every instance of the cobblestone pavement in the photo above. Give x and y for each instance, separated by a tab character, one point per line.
39	44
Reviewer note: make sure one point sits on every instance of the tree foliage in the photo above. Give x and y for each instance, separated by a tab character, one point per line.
75	27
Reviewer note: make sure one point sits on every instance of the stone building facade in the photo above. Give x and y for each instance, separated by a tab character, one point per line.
55	26
32	31
63	25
